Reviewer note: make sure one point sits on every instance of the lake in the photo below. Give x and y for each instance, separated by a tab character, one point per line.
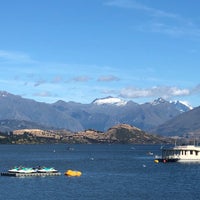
109	172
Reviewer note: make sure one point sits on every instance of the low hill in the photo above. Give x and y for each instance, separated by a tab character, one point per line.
123	133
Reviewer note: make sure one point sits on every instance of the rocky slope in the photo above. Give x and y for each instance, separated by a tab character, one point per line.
123	133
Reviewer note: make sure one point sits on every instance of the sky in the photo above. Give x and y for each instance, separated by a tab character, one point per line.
80	50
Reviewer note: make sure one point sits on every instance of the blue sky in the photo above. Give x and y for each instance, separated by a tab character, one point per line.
80	50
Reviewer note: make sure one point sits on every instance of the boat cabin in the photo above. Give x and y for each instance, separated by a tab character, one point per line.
181	153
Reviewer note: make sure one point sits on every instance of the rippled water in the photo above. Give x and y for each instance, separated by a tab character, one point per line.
116	172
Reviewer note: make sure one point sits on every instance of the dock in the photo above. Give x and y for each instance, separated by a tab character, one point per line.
30	174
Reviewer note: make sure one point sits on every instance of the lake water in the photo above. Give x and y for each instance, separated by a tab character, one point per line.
117	172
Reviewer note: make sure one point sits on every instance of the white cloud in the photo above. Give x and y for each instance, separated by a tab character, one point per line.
108	78
81	79
10	56
174	91
176	30
131	4
160	21
43	94
131	92
165	92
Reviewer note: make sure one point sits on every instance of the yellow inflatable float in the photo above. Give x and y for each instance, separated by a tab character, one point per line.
73	173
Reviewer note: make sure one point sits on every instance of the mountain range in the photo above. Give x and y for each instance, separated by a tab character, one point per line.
160	116
102	114
186	125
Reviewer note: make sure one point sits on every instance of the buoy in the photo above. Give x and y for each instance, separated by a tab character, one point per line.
73	173
156	161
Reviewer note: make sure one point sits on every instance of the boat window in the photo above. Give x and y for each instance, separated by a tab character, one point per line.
191	152
196	152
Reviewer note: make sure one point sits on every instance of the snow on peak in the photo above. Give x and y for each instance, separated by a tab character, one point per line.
186	104
183	104
110	100
3	94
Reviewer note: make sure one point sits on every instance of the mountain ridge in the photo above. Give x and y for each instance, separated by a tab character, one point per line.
78	117
184	125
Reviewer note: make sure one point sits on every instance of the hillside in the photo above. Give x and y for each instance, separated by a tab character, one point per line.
14	107
123	134
187	125
14	124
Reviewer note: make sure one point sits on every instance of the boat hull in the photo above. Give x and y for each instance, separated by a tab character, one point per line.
187	153
167	160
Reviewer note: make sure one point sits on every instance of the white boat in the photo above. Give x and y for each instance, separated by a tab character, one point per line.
13	170
24	170
184	153
46	170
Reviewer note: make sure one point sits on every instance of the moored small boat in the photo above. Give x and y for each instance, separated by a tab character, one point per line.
73	173
46	170
14	170
22	170
26	170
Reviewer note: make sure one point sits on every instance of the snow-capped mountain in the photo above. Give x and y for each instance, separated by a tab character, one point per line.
3	94
179	105
110	100
182	105
100	115
158	101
